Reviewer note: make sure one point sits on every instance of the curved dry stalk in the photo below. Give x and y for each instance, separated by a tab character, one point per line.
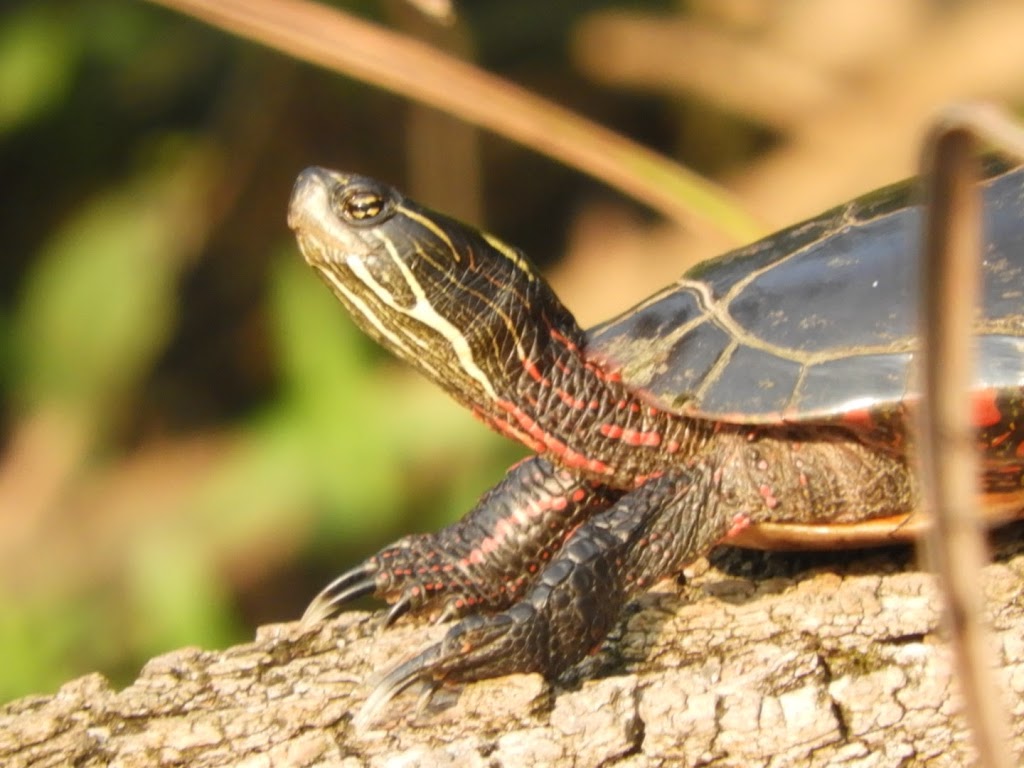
343	43
949	459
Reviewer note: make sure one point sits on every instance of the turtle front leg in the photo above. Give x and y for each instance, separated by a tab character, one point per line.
649	533
482	562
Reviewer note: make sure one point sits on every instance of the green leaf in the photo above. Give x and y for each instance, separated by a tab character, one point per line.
37	57
99	302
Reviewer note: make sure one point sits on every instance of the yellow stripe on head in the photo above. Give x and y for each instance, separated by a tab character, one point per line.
428	223
512	254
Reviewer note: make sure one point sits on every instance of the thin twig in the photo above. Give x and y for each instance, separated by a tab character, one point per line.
949	460
343	43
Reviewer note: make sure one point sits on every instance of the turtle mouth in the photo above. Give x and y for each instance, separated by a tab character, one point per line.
308	194
323	242
310	249
317	255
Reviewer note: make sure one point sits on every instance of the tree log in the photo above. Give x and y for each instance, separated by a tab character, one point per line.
757	659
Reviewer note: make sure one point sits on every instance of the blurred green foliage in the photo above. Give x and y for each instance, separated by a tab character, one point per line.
37	55
194	438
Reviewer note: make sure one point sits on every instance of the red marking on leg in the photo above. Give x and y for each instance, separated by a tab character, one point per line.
566	455
503	427
645	439
534	371
672	446
611	431
502	529
564	341
579	495
641	479
630	436
572	402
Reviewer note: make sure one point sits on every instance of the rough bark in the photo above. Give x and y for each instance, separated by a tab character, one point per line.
759	660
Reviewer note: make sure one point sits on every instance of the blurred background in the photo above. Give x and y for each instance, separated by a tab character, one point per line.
194	439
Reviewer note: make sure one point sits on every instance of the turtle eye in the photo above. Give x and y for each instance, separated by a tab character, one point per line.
361	205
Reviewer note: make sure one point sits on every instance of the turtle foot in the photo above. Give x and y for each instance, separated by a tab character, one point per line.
477	648
414	575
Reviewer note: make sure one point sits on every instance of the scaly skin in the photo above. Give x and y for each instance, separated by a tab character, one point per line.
485	560
629	493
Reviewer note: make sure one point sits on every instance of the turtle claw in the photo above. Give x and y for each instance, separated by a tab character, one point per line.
394	682
398	610
477	648
351	585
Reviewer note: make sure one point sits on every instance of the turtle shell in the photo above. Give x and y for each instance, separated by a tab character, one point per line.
820	319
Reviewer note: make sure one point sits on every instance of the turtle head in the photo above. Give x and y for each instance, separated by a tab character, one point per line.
456	303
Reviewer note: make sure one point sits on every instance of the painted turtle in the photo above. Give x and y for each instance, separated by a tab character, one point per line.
761	399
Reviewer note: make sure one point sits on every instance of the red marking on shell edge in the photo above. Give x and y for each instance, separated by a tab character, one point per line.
860	417
986	410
